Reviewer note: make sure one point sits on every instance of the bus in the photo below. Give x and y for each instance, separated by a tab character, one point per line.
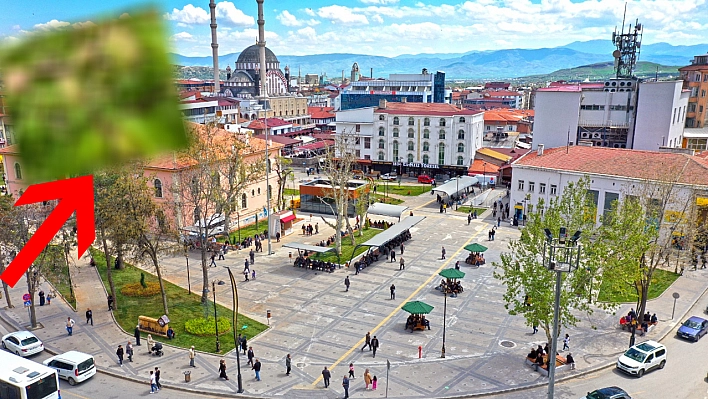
21	378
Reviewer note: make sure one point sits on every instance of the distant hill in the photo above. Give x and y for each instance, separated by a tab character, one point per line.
497	64
601	71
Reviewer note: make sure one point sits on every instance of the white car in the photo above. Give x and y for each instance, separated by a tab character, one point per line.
389	177
22	343
642	357
73	366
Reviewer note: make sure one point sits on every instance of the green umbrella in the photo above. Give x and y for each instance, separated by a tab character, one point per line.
476	247
417	307
452	274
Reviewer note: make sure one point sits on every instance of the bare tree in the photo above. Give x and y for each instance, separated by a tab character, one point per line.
282	170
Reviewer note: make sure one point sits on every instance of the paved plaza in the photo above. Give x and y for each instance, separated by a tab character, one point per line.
320	324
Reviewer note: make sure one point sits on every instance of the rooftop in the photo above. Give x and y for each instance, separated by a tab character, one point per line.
321	112
507	114
432	109
259	124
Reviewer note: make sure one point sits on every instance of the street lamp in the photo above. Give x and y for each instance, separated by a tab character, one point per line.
216	322
186	257
562	255
444	323
234	319
484	173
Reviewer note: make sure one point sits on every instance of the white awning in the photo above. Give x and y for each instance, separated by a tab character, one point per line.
393	231
309	248
457	185
379	208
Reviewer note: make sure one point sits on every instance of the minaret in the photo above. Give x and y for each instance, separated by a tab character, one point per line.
264	96
261	50
214	46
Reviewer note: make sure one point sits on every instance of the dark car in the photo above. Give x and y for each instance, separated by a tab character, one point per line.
693	328
608	393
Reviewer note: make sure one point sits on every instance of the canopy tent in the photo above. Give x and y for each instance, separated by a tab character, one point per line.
458	184
417	307
309	248
388	235
452	274
379	208
476	247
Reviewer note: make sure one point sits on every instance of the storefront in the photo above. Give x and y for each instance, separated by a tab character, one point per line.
415	169
286	219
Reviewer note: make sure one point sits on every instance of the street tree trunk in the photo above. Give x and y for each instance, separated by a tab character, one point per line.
156	264
30	289
108	268
5	286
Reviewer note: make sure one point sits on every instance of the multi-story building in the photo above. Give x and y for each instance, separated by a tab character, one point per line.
414	88
494	99
414	138
617	113
508	120
695	79
292	109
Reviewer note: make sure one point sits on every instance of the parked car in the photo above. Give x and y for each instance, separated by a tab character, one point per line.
22	343
425	179
608	393
389	177
693	328
642	357
73	366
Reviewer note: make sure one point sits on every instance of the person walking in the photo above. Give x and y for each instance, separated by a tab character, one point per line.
326	375
403	247
213	260
566	342
192	355
119	353
393	292
257	368
393	255
288	364
367	378
375	344
345	385
150	343
251	356
221	253
317	228
252	256
443	253
89	316
367	341
535	327
41	298
246	272
153	385
70	325
402	264
346	283
157	378
129	351
457	265
244	343
222	370
351	370
109	299
136	334
303	229
374	381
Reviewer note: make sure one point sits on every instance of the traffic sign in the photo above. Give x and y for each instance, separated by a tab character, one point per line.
26	297
28	304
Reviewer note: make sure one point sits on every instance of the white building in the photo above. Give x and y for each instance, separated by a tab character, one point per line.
420	88
617	113
614	174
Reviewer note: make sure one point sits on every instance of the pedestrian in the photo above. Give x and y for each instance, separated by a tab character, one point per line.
221	253
119	353
89	316
157	378
277	236
150	343
393	292
367	378
317	228
393	255
251	355
257	369
346	283
246	272
402	265
443	252
303	229
326	375
402	248
110	301
367	341
252	255
566	342
41	298
153	385
70	325
351	370
457	265
129	351
499	221
345	385
222	370
244	344
288	364
375	344
136	334
253	274
373	383
192	355
213	260
469	219
535	327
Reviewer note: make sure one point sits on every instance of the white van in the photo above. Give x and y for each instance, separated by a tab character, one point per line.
642	357
73	366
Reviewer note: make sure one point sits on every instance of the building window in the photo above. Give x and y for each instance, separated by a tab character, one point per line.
410	158
18	171
426	134
244	201
395	132
442	121
554	189
426	159
410	146
426	122
410	121
461	135
381	117
411	133
367	142
426	146
542	188
259	191
158	188
382	132
460	161
521	185
381	156
441	154
532	186
395	120
358	128
441	135
703	93
367	157
395	150
460	147
381	144
462	119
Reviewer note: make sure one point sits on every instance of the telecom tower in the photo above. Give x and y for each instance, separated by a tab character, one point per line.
628	48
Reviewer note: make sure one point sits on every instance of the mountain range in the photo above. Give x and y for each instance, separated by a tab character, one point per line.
495	64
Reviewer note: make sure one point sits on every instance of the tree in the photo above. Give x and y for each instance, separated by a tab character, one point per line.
282	170
530	286
6	239
105	219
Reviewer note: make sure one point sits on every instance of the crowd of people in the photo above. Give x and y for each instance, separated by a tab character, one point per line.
631	320
415	320
372	256
305	261
540	357
378	224
449	286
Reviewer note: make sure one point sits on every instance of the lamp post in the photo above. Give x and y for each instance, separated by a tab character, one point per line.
216	321
484	173
238	226
444	324
457	187
186	257
562	255
234	319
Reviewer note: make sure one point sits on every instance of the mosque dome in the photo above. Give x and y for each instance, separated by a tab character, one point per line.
251	55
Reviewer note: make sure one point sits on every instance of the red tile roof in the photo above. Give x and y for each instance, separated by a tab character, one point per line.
480	167
10	150
507	115
699	67
259	124
321	112
502	93
643	165
432	109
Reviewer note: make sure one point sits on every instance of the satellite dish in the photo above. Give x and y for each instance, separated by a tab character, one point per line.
616	53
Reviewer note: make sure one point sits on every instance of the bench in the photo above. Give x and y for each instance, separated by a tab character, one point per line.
543	370
416	327
154	326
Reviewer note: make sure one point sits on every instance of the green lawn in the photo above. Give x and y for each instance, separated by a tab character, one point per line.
60	278
386	200
249	230
347	248
291	191
661	280
468	209
182	307
404	189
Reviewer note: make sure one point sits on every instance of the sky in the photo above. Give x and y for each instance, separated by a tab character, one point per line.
377	27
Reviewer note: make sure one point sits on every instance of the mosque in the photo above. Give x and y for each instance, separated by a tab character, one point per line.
244	82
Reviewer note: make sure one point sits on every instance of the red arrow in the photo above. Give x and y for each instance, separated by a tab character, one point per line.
74	195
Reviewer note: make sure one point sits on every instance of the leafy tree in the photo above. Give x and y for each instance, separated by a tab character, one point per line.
107	218
282	170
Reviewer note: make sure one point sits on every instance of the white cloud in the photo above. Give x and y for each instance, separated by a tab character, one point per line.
342	15
189	14
379	1
227	11
377	18
53	24
183	25
182	36
16	27
310	12
287	19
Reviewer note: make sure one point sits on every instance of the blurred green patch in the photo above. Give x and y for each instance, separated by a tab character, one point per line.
86	98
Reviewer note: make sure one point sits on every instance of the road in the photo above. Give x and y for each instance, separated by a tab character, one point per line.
683	377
